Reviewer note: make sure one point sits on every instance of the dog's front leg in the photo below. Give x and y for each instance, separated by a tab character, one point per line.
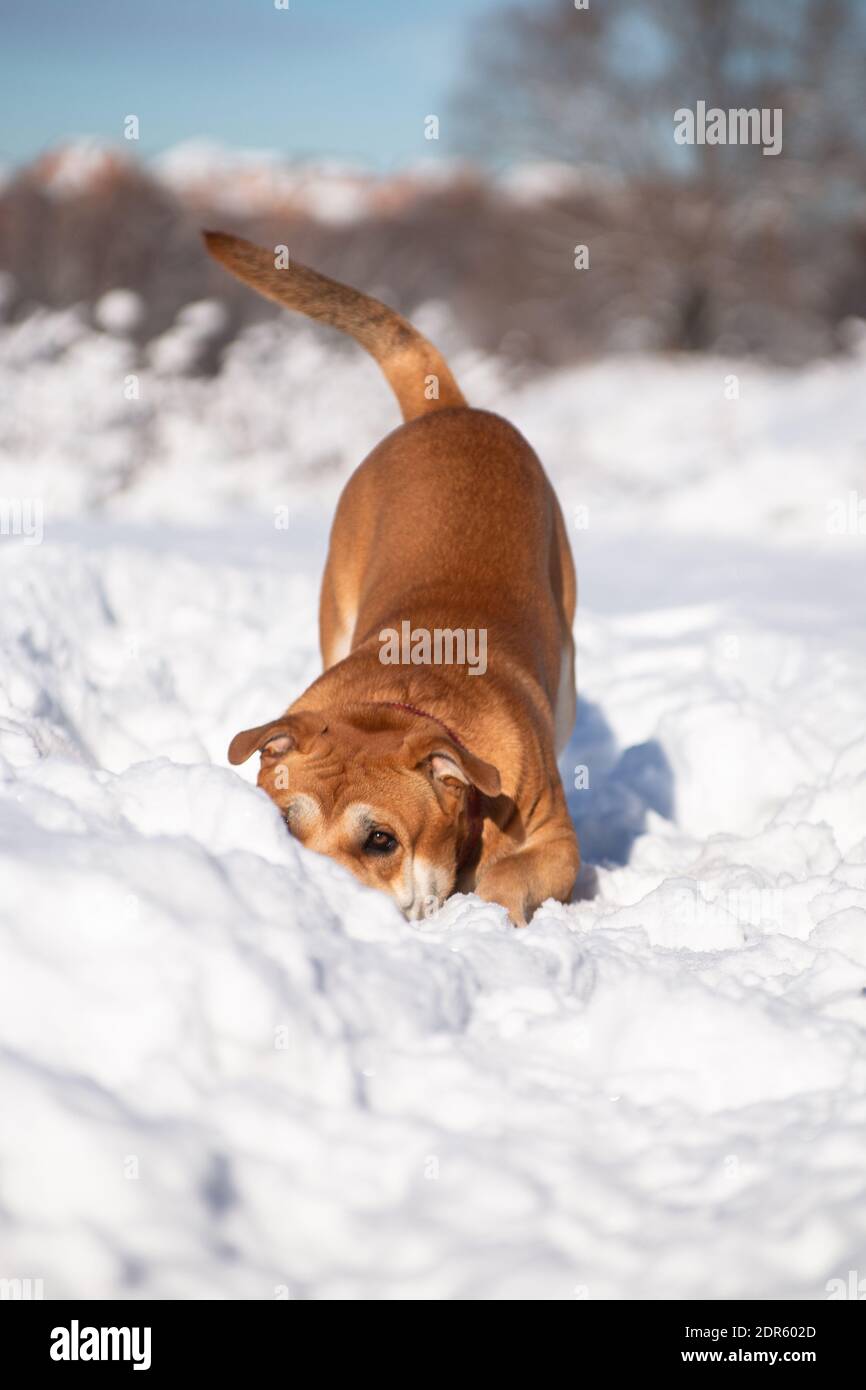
543	868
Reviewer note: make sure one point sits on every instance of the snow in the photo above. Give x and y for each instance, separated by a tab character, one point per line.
531	182
244	182
79	165
230	1071
247	181
119	311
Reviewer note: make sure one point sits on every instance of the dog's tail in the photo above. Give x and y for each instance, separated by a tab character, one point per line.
416	371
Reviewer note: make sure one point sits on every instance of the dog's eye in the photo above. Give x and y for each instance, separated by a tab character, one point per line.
380	842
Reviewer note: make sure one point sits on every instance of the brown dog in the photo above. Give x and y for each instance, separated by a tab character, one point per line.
426	778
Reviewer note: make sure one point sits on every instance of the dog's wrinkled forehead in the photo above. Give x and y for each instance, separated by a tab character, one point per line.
341	761
375	755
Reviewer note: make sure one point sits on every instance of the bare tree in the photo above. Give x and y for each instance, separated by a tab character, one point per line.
697	233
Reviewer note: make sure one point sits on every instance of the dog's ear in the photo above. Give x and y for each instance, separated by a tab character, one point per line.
452	766
291	732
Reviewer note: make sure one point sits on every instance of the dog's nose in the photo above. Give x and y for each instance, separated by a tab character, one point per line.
422	908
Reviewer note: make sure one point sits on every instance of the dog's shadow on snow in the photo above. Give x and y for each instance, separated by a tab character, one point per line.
610	791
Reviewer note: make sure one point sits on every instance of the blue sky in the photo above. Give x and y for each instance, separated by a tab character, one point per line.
349	78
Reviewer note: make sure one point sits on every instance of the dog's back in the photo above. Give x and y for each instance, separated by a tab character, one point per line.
474	520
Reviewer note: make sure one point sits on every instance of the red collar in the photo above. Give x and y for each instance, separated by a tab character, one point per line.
474	814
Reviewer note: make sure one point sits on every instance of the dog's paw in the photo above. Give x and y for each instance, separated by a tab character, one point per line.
502	884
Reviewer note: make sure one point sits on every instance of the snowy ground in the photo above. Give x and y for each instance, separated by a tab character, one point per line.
229	1071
